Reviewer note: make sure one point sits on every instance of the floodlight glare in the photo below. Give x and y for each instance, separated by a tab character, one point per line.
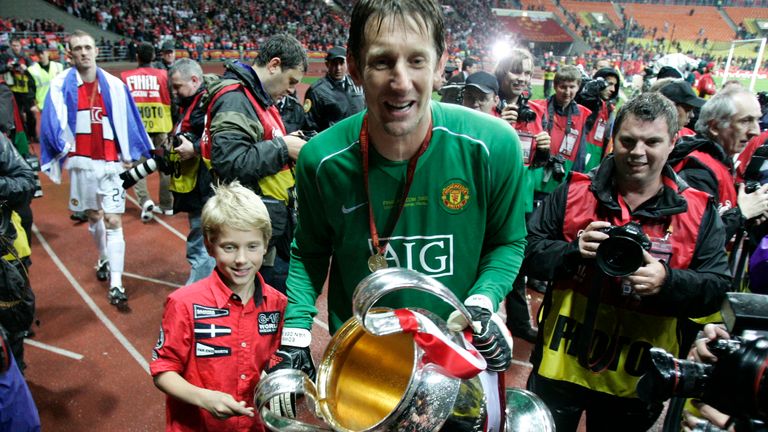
501	49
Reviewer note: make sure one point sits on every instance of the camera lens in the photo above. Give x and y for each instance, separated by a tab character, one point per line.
619	256
669	377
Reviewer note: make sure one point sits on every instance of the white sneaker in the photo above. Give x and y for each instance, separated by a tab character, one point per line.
162	211
146	211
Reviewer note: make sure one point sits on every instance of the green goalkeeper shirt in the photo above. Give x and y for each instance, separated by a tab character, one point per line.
463	221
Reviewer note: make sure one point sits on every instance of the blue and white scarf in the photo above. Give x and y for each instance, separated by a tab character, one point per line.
59	118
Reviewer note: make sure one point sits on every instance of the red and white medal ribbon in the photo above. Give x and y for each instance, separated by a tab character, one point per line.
438	349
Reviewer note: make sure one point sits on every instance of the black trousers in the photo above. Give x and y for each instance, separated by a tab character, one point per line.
518	315
605	412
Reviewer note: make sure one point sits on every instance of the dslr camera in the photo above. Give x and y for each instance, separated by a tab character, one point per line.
738	383
756	173
621	254
524	112
159	161
555	164
592	88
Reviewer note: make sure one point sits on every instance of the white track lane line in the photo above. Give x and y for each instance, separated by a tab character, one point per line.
53	349
322	324
522	363
155	217
92	304
153	280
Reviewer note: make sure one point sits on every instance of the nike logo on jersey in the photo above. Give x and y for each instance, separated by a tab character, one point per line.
348	210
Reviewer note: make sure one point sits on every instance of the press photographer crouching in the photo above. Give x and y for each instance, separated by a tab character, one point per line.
661	260
724	374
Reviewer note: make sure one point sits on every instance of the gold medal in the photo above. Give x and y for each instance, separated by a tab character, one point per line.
376	262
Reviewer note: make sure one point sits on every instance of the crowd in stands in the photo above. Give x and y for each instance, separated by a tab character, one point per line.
218	25
242	25
12	25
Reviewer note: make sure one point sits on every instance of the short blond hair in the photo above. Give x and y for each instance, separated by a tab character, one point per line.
235	206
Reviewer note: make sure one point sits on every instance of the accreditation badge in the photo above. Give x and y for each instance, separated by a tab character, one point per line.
600	130
568	145
526	146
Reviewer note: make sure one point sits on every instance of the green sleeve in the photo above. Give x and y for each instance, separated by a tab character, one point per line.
311	248
504	243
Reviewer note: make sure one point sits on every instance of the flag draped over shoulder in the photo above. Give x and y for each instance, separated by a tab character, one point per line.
58	120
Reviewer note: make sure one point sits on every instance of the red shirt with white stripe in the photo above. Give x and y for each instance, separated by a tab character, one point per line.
94	137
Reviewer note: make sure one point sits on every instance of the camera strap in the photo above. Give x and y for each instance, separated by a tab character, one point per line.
586	335
549	122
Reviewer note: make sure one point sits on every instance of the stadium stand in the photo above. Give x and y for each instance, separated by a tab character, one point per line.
747	16
535	29
220	29
678	22
548	6
582	8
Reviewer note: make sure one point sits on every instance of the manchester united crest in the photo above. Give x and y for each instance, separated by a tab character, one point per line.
454	196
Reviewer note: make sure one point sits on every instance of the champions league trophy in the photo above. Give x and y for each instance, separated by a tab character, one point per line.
400	370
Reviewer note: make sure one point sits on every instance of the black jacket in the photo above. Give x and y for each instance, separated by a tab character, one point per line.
701	177
292	113
686	292
17	185
593	101
239	150
329	101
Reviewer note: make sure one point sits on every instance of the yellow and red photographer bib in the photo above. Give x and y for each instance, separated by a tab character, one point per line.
149	88
626	328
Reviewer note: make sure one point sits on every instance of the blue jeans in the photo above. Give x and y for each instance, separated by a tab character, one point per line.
202	264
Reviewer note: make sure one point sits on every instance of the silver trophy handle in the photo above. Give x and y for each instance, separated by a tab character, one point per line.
382	282
285	381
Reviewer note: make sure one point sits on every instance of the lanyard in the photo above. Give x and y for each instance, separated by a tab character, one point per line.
185	124
550	120
377	261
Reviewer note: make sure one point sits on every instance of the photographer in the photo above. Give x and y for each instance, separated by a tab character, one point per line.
565	121
481	93
599	95
514	76
190	181
705	161
661	241
23	87
451	92
151	92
